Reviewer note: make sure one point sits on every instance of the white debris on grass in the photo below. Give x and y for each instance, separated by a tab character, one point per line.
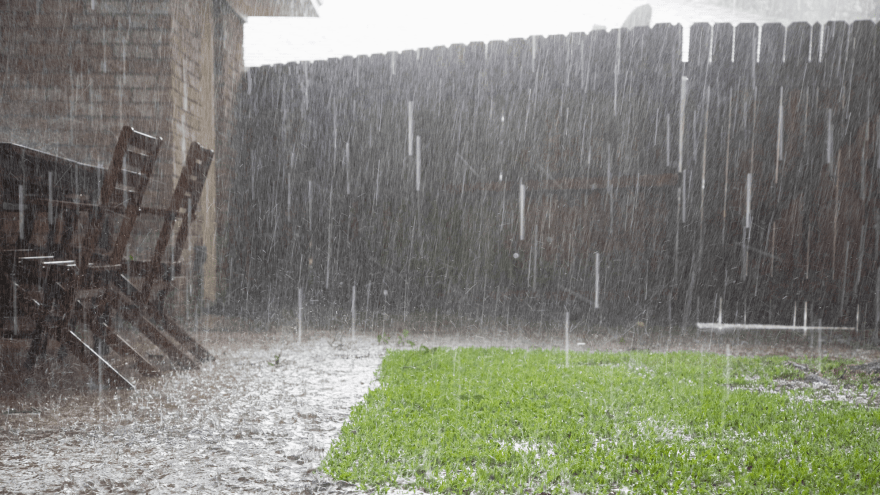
813	390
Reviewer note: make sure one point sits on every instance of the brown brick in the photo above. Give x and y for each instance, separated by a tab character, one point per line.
24	36
129	66
100	36
132	111
102	7
89	19
92	51
112	81
147	37
141	6
45	6
46	20
51	49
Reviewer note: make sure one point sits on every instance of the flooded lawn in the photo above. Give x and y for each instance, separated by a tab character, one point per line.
241	423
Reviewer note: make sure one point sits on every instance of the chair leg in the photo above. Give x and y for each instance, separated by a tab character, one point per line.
93	360
136	315
109	338
152	332
37	347
173	329
122	347
40	337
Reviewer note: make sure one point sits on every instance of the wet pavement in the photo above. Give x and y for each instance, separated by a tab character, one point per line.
243	423
239	424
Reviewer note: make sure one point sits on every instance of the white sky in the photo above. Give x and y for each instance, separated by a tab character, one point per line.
365	27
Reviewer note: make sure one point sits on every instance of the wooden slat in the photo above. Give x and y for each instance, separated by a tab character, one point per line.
176	331
700	43
154	319
722	44
155	335
797	53
145	167
834	54
92	359
188	189
135	167
746	51
772	44
149	144
122	347
864	73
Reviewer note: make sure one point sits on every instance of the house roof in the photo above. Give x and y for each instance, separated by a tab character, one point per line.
274	8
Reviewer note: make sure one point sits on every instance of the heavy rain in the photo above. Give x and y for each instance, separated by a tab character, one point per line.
305	246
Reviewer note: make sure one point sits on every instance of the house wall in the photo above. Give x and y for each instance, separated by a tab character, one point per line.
193	106
73	72
228	77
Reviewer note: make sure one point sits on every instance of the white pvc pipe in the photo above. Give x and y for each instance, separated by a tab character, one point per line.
761	326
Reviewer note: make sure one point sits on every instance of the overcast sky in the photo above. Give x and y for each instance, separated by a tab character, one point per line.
365	27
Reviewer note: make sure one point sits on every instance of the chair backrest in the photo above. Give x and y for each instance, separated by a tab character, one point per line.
122	189
184	202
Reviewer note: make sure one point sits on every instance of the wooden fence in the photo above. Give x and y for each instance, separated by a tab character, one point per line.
593	171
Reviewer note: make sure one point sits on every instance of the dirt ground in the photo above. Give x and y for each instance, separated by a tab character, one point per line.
243	423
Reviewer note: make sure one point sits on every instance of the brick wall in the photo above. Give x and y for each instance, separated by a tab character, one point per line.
73	72
228	78
73	75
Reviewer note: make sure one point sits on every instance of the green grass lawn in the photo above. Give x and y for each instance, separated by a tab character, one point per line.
500	421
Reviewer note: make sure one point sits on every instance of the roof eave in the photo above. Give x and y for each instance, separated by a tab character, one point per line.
274	8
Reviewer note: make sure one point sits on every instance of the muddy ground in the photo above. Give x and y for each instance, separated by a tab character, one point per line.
243	423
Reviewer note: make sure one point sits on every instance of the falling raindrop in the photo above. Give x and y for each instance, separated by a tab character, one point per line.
749	200
15	329
418	163
522	211
347	170
566	338
50	207
409	128
353	309
299	315
681	125
596	290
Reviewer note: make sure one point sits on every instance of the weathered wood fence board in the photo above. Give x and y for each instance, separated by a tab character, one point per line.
745	178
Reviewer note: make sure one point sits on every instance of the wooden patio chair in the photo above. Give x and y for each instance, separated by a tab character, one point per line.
77	285
144	306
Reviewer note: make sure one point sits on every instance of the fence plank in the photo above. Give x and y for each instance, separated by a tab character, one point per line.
598	173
